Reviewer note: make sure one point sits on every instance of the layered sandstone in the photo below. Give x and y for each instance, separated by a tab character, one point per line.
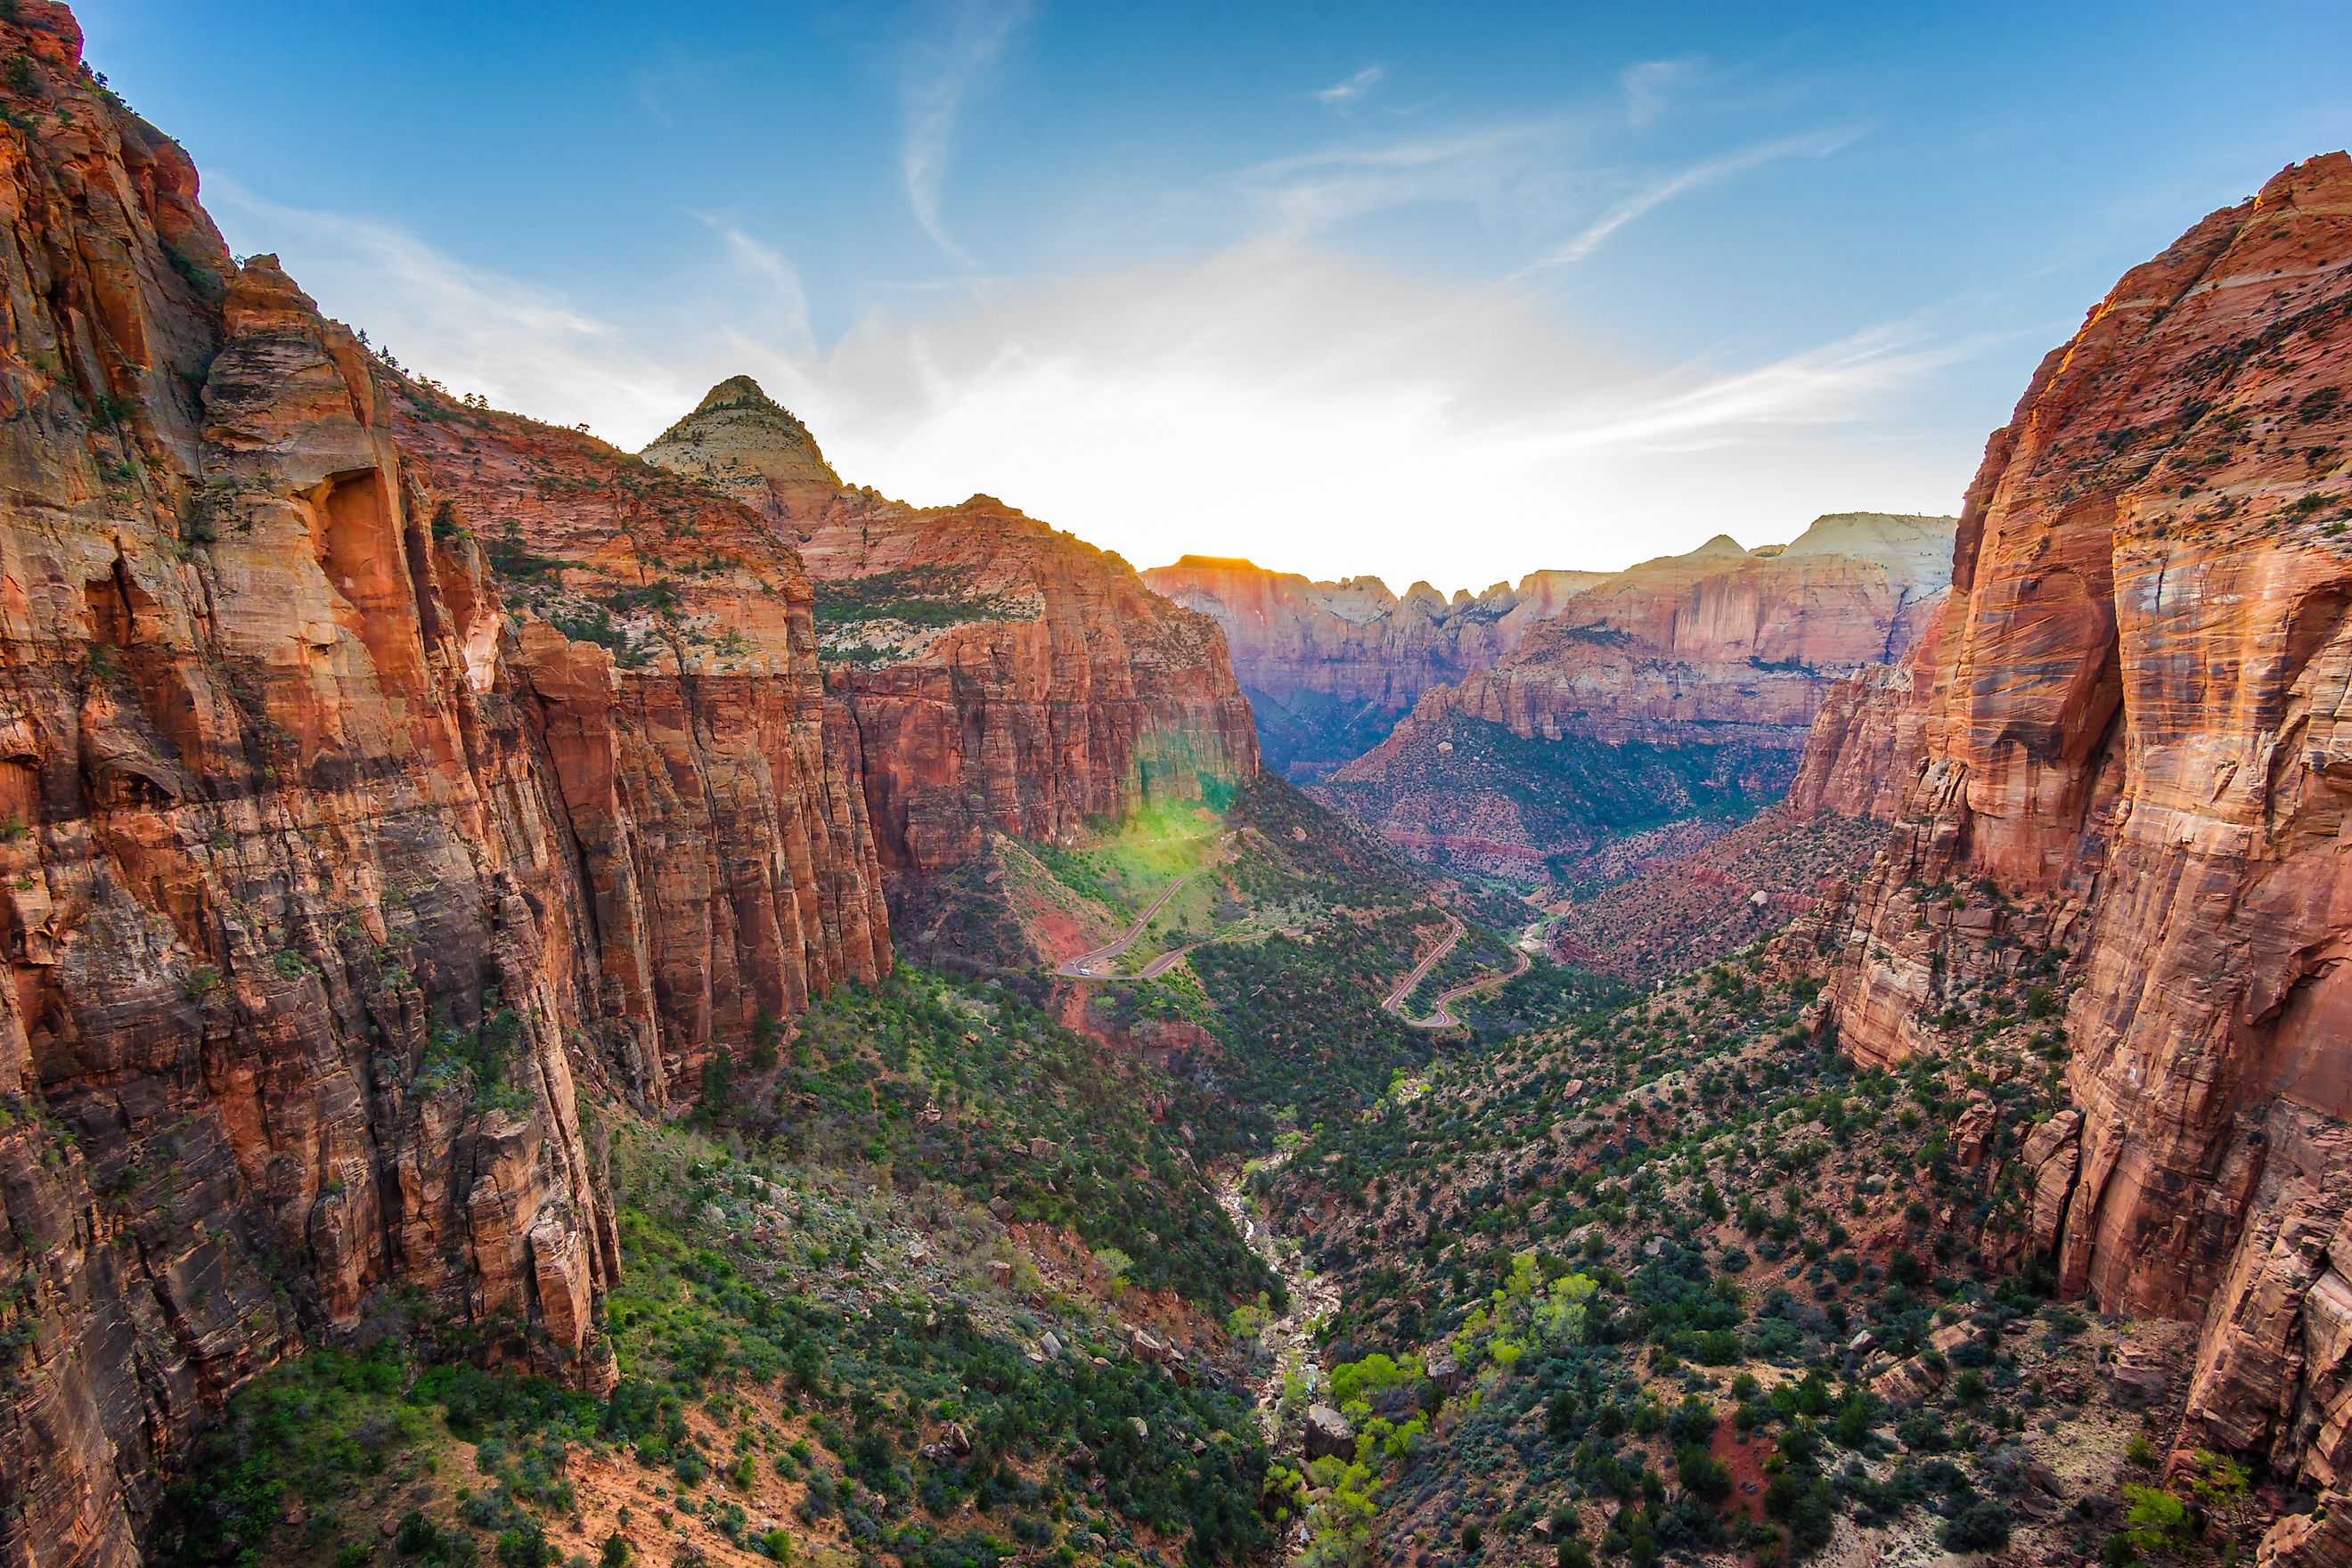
1699	674
377	776
1868	738
995	673
1354	639
1330	666
2138	736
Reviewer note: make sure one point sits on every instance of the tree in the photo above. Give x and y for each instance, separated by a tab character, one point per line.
1981	1525
2156	1522
525	1546
718	1085
1116	1263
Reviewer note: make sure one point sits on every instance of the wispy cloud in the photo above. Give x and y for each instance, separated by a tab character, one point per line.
1519	166
1831	384
1337	415
785	297
1340	94
1658	191
526	347
940	79
1650	86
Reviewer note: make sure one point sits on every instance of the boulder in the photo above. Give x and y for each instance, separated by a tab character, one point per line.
1328	1435
1972	1132
2141	1372
1906	1382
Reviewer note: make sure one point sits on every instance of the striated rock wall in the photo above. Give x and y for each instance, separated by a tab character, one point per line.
331	871
1694	677
1868	738
1330	667
708	786
994	674
1723	636
1354	639
2138	731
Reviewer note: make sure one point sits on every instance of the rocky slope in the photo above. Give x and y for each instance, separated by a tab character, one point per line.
1691	680
336	880
997	675
1328	667
2136	755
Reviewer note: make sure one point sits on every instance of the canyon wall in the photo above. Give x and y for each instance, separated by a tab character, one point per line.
1680	690
2138	748
1868	738
1328	667
995	673
381	782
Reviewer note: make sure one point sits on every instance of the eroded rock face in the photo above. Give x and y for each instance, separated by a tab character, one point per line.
994	674
1330	666
1868	738
2138	738
1695	677
707	786
331	872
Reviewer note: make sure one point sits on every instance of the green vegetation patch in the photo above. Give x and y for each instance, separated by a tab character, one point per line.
971	1085
923	596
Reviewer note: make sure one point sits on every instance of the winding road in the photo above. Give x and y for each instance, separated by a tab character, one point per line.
1420	971
1085	966
1442	1018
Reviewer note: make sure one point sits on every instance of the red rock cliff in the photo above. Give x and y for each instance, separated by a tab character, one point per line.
2138	733
1869	738
996	674
1726	651
1354	639
1330	666
331	871
1721	635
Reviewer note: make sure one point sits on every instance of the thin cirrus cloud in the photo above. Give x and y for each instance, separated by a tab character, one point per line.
942	75
1650	87
1521	168
1267	387
1659	190
1342	93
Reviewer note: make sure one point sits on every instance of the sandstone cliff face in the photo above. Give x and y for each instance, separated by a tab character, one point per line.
326	883
994	674
1721	635
2138	733
1868	738
709	788
1702	672
1330	666
1354	639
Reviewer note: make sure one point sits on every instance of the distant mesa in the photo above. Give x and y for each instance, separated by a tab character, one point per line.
1332	667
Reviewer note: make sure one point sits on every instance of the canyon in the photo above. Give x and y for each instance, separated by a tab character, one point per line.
491	1031
1328	667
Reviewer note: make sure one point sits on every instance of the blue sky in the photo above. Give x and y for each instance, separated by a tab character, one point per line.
1439	291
